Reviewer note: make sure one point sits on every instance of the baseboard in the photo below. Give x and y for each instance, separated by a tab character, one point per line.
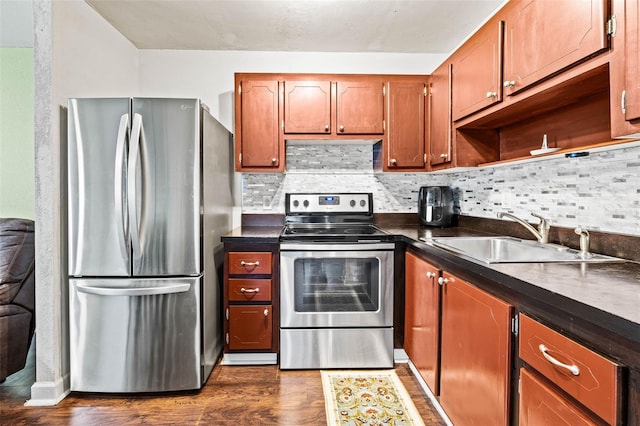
250	359
400	356
430	395
48	393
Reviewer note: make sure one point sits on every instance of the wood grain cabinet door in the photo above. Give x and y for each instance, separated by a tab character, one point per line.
360	107
307	107
250	327
544	37
477	71
475	355
406	140
422	318
258	141
540	405
440	116
632	63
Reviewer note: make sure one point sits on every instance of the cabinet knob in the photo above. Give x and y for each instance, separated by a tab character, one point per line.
491	94
509	83
443	280
342	128
444	155
266	312
394	161
326	128
274	160
431	275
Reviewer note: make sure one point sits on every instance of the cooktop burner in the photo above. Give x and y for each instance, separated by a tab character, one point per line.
330	229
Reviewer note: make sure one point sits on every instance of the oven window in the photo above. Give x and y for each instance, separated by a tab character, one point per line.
337	284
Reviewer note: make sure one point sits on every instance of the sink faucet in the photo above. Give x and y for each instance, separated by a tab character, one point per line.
541	234
584	239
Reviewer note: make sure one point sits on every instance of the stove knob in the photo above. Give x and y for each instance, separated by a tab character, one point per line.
362	203
353	203
296	203
305	203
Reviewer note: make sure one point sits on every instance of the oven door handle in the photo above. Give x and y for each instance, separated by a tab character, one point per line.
365	245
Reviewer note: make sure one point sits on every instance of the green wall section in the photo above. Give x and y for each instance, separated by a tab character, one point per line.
17	175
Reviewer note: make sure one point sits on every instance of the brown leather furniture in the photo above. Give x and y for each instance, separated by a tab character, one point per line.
17	293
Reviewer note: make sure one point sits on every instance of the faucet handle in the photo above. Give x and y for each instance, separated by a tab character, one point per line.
584	239
544	223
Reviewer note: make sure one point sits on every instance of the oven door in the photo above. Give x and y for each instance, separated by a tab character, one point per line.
336	285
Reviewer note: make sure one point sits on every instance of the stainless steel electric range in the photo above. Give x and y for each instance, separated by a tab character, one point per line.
336	284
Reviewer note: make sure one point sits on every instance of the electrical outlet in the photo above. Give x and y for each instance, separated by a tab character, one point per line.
506	200
266	202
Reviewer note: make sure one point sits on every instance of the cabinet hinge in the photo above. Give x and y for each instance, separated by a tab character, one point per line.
282	124
227	314
425	158
623	102
384	90
227	338
514	325
612	26
425	90
240	89
384	125
240	158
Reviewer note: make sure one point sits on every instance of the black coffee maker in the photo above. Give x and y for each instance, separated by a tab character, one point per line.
436	206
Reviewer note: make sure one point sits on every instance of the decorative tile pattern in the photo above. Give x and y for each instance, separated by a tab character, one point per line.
600	191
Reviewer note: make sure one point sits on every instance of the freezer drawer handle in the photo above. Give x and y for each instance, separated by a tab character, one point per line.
573	369
142	291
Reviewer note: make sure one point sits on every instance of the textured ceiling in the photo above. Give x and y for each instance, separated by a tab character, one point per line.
403	26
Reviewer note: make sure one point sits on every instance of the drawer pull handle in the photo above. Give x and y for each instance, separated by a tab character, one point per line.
573	369
249	290
256	263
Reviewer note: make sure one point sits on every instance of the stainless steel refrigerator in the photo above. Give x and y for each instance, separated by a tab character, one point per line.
149	196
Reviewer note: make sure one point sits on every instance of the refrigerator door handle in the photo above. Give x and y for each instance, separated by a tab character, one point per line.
137	132
134	291
121	228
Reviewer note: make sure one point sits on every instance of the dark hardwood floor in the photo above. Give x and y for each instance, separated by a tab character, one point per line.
261	395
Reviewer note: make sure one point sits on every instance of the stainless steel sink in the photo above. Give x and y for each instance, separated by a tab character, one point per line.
514	250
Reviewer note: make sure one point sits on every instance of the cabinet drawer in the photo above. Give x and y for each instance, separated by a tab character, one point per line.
249	290
250	263
595	381
540	405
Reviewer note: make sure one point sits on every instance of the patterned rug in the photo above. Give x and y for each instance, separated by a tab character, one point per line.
367	398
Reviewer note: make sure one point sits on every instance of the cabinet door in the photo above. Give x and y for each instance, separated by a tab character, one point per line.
632	64
475	355
406	140
440	116
307	107
543	37
259	138
477	71
540	405
360	107
422	318
250	327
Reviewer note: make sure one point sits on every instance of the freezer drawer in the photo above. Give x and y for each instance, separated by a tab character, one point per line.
139	335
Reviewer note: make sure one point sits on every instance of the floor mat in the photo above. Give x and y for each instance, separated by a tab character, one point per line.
360	397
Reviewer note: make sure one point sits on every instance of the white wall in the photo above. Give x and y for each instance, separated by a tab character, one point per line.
209	74
77	54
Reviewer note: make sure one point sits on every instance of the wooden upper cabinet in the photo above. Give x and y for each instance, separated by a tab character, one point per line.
406	135
440	116
257	128
307	107
422	319
632	63
360	107
477	71
544	37
475	355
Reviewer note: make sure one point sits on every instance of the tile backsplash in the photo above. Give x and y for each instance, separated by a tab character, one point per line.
600	191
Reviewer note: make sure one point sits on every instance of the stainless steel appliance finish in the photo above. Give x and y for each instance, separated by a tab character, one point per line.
336	286
436	206
145	218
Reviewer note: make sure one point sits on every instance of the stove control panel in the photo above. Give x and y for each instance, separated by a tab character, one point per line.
329	203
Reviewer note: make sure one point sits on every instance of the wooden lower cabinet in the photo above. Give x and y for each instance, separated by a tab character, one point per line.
422	319
541	405
475	361
250	327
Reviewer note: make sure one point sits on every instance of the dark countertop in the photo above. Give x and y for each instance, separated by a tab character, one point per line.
606	294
